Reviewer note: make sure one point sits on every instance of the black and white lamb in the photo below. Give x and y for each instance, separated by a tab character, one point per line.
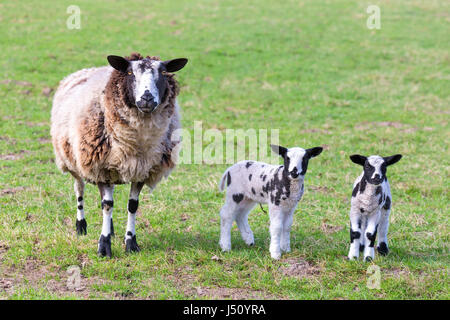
281	187
370	206
113	125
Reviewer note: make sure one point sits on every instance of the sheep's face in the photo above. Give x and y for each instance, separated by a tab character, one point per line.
375	166
296	159
146	79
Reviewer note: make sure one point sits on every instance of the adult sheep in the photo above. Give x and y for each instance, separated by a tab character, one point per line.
113	125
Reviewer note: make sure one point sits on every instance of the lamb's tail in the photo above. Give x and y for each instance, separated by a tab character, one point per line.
222	181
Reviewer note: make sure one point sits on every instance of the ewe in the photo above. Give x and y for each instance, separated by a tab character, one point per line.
113	125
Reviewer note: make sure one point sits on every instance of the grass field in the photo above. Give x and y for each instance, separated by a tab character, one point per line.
311	69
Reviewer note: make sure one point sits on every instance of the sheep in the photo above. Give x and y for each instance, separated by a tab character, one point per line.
113	125
370	206
252	182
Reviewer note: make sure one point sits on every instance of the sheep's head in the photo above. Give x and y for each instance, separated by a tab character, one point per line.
375	166
296	159
146	79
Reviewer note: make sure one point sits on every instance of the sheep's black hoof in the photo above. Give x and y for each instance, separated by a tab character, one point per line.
112	228
131	245
368	259
81	226
252	244
383	249
361	248
104	246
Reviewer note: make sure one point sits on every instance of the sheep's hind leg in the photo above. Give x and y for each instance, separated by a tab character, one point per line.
104	243
81	224
133	203
382	247
243	211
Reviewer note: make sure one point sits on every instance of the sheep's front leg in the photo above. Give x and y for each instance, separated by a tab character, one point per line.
286	233
355	235
370	236
133	203
104	243
81	224
276	228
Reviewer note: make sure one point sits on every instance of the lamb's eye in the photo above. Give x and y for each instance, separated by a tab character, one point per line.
130	73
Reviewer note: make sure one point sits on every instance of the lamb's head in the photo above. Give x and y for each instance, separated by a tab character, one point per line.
146	79
296	159
375	166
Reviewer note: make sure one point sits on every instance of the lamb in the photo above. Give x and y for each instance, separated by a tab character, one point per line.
281	187
113	125
370	206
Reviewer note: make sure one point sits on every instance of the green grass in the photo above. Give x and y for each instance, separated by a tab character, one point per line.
311	69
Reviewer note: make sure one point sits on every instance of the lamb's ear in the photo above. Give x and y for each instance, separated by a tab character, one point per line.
119	63
392	159
314	152
358	159
175	64
279	150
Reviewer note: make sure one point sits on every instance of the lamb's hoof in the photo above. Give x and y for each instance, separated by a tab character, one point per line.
350	258
112	228
81	226
251	244
368	259
131	245
104	246
276	255
361	248
383	249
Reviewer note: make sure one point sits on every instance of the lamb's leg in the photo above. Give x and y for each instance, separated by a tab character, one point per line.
81	224
227	216
133	203
355	235
276	228
362	239
370	235
104	243
382	232
285	244
245	206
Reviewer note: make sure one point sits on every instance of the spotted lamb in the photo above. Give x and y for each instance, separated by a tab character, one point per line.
113	125
281	187
370	206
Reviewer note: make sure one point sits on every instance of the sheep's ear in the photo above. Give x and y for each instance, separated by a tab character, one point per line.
358	159
314	152
392	159
175	64
279	150
119	63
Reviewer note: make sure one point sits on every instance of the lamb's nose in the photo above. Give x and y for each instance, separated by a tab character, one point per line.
377	176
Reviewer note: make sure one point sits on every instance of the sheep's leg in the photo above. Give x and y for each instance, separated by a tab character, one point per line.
370	235
355	235
285	244
276	229
81	224
243	211
104	243
382	232
133	203
227	216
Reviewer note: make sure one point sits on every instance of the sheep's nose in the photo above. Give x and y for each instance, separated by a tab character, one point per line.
377	176
147	96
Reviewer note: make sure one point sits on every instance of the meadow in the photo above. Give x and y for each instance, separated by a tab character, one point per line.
311	69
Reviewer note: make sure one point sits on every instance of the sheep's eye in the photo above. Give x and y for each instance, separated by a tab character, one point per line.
130	73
